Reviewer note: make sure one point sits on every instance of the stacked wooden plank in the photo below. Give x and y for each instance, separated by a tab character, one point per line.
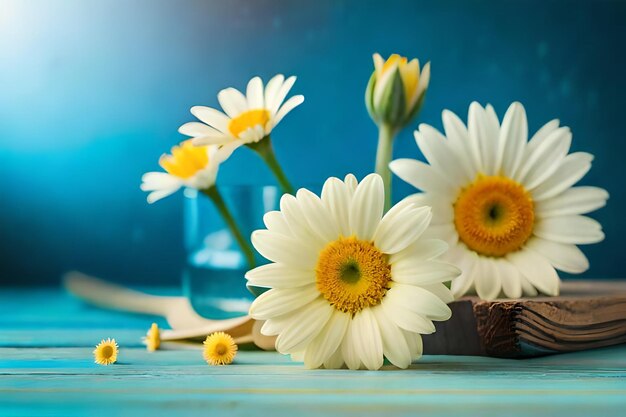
588	314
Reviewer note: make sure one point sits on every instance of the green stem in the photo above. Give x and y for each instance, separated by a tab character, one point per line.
384	153
220	204
266	152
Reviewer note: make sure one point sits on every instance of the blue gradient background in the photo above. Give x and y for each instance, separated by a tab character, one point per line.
92	92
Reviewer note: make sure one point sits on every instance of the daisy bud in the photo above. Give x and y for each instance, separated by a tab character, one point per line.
396	90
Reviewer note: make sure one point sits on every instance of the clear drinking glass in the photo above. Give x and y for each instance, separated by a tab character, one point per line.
213	277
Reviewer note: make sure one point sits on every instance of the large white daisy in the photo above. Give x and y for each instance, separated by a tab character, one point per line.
247	118
349	285
506	205
187	166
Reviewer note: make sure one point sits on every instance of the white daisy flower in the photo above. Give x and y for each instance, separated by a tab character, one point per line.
506	205
349	285
188	166
248	118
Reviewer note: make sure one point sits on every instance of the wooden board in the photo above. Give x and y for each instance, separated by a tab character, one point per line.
587	315
46	369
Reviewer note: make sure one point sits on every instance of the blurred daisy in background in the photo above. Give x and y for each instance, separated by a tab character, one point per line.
506	205
196	167
349	285
247	119
186	166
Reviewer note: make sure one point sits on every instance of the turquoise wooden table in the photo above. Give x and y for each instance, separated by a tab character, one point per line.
47	369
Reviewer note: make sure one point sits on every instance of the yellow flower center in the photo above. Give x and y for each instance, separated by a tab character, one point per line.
219	349
248	119
494	215
186	160
107	352
352	274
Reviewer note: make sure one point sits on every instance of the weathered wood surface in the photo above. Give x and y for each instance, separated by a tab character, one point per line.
46	369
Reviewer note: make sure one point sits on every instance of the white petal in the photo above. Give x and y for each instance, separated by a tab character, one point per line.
369	342
436	150
336	197
275	101
572	168
395	348
542	134
441	291
351	182
510	278
197	129
254	93
283	249
335	361
466	261
212	117
407	319
275	326
420	251
321	220
275	222
442	209
414	341
576	200
152	181
481	131
366	208
378	63
232	101
537	271
349	348
294	216
418	300
289	105
418	272
212	140
279	276
466	150
544	160
487	279
328	341
424	80
278	301
399	229
512	141
271	90
155	196
445	232
575	229
304	327
421	176
219	154
493	124
566	257
527	288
